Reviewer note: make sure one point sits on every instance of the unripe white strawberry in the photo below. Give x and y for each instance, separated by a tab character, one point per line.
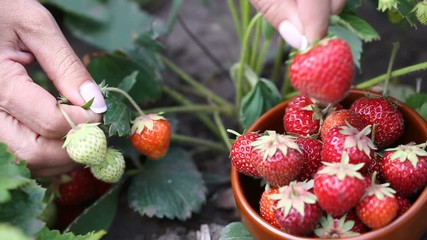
86	144
111	170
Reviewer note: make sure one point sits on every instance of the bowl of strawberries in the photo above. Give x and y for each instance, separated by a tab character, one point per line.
356	169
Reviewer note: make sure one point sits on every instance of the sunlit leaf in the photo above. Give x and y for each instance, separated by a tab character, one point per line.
234	231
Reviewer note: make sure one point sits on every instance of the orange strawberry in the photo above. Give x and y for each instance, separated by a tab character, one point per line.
151	135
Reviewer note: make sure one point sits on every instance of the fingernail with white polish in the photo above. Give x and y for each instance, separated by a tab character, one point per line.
292	36
89	90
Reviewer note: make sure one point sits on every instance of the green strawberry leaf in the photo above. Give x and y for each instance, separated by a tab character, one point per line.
171	187
116	67
418	101
262	97
352	39
118	116
358	26
405	8
92	10
29	197
352	5
46	234
128	82
235	230
99	215
125	21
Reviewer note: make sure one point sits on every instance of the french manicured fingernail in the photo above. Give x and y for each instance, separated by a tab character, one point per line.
89	90
292	36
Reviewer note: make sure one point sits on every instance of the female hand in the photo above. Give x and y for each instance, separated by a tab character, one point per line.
299	22
31	124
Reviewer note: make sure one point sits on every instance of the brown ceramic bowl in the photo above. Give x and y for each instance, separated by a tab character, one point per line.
247	191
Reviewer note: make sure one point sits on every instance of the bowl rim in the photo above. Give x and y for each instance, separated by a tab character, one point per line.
244	205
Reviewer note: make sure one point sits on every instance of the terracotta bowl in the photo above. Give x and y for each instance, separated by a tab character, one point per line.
247	191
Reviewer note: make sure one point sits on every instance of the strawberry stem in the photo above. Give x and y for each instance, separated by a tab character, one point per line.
396	46
396	73
192	140
66	116
134	104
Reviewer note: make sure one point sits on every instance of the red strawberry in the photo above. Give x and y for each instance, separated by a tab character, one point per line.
405	167
404	204
297	210
76	187
277	158
151	135
339	186
343	227
341	118
378	207
312	154
349	140
383	115
302	117
359	226
324	72
266	206
241	154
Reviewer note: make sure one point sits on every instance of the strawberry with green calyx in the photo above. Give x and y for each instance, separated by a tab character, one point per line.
112	169
297	210
86	144
312	153
405	167
387	5
381	113
277	158
302	117
331	227
241	153
356	143
325	71
266	205
151	135
339	186
341	117
378	207
421	12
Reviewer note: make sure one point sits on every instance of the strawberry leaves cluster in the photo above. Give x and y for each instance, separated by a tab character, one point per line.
347	175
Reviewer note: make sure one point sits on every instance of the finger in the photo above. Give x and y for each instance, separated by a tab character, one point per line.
42	36
34	106
45	157
283	15
337	6
314	16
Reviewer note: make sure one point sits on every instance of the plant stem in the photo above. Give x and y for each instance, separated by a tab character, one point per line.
244	58
287	81
197	141
399	72
222	129
66	116
191	108
278	63
199	87
255	45
235	15
261	57
390	67
129	98
184	101
245	9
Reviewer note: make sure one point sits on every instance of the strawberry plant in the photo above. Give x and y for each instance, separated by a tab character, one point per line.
145	120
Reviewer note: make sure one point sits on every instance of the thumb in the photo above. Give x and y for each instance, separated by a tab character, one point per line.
61	64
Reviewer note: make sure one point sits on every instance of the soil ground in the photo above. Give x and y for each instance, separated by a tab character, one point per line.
213	26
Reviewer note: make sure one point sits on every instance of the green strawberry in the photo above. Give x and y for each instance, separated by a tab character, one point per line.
86	144
111	170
